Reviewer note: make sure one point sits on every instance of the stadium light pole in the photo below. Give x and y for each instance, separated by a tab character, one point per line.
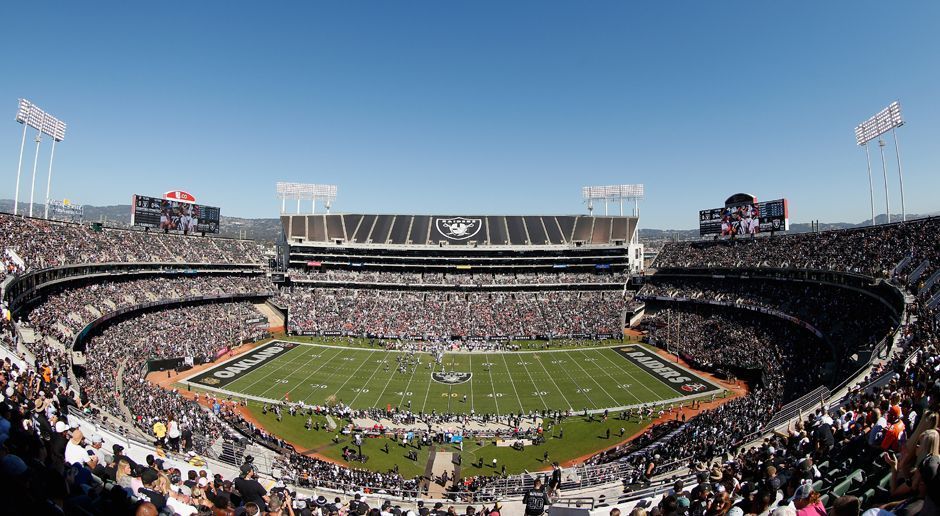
612	193
49	180
884	168
897	152
30	115
32	189
888	119
306	191
871	187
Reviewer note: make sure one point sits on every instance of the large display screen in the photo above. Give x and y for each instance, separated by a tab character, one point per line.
179	217
745	219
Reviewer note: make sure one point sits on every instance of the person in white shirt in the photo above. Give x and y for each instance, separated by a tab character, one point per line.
74	451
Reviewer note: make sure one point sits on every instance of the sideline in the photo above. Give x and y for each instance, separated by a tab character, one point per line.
723	386
732	390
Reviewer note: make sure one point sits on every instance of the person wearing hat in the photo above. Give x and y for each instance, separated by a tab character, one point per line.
497	507
716	474
97	444
806	501
149	492
57	444
422	510
894	432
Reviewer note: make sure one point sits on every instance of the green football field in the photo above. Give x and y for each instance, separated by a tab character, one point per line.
591	379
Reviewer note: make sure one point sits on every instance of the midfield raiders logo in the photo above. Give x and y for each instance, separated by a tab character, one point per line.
458	228
451	378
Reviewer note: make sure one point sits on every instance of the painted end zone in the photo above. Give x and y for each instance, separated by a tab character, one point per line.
227	372
676	377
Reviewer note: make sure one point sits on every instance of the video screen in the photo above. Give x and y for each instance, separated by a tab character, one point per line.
745	219
178	217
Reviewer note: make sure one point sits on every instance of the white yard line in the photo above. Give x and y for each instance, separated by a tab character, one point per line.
405	391
521	410
276	369
595	381
354	373
376	370
471	382
618	366
489	369
430	381
535	384
315	371
377	400
552	378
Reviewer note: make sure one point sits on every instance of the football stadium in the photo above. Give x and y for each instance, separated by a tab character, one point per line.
412	357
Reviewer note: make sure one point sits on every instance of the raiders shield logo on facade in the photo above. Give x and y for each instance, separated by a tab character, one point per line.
451	378
458	228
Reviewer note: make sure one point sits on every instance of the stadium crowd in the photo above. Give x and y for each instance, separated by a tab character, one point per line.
476	278
38	244
879	444
64	314
122	349
442	315
847	318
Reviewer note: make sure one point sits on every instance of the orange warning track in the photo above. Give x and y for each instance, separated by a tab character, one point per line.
166	379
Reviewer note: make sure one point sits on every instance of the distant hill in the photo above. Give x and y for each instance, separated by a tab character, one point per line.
269	229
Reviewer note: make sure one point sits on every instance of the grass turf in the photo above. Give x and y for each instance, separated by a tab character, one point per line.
580	437
556	379
501	383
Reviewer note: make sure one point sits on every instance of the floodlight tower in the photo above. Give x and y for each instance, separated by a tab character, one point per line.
613	193
30	115
306	192
888	119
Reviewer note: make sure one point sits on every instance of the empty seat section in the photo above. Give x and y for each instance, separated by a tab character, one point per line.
316	228
517	234
334	227
419	229
553	231
601	233
582	229
567	227
365	227
618	229
351	222
535	229
399	233
380	231
497	229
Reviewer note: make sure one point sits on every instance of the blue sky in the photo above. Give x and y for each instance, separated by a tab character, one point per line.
476	107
